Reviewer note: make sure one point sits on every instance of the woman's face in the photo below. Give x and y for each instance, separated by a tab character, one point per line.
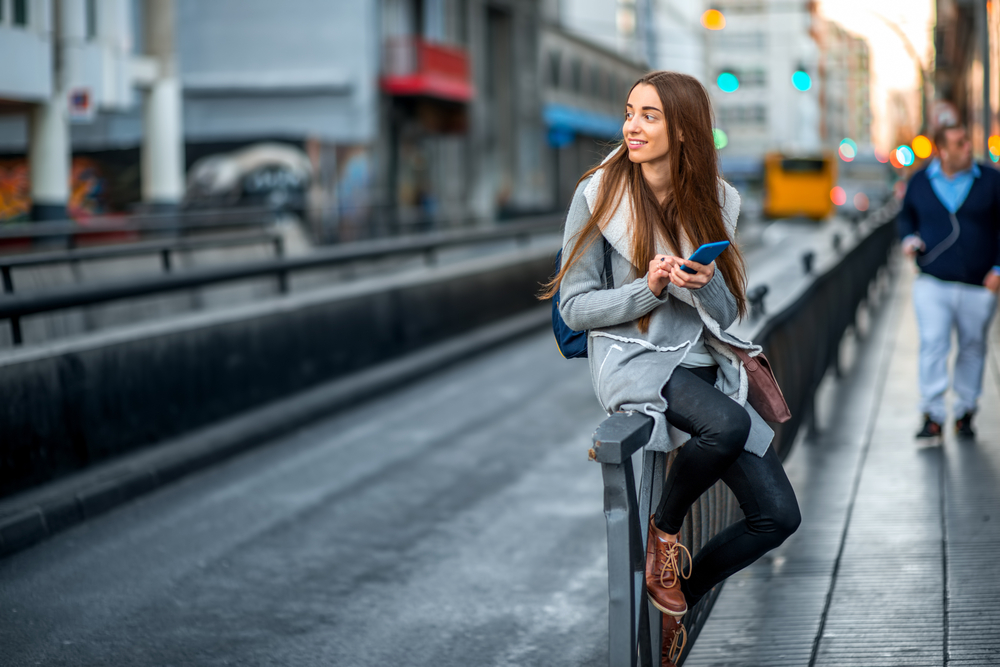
645	128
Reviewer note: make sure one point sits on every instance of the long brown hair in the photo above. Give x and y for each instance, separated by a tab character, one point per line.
692	210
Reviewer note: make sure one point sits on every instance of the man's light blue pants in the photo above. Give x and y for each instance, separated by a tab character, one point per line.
941	308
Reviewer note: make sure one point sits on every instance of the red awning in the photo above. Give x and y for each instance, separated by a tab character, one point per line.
416	68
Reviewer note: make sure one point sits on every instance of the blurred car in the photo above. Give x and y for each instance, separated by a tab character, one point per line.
866	185
264	174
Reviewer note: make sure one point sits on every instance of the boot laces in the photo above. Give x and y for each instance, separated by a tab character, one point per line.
673	652
673	561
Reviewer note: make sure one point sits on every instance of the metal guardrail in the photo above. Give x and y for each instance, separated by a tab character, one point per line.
15	307
180	222
165	249
801	342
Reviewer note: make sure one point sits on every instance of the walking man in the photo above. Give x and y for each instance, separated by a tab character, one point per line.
950	224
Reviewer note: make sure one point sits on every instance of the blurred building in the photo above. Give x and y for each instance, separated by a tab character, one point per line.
750	66
583	95
845	84
588	61
410	111
674	37
85	67
967	67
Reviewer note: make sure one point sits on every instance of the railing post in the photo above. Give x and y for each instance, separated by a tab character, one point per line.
629	634
15	329
625	580
279	247
650	490
8	283
165	256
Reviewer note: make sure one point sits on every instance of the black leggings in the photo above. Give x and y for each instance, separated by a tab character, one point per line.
719	427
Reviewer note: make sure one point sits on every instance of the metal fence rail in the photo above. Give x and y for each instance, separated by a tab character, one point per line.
801	342
165	249
15	307
173	223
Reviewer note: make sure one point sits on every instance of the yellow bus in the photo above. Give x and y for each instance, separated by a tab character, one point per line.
799	185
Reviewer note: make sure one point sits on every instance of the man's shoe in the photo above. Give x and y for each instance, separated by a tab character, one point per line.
664	571
963	427
674	639
930	434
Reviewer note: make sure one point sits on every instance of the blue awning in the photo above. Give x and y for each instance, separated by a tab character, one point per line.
581	121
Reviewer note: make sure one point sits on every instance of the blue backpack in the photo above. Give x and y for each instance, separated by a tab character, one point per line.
573	344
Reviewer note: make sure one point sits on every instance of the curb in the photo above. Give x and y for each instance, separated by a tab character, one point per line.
34	515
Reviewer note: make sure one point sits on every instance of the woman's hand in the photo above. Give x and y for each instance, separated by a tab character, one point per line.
660	269
682	278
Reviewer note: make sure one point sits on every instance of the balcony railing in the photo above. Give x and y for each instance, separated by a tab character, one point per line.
414	67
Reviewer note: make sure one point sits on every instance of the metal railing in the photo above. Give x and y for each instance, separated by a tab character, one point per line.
165	249
70	232
15	307
801	341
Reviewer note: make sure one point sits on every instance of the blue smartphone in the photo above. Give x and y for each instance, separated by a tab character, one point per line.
706	254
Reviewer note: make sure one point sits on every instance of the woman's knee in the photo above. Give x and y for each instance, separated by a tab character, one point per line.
730	429
782	520
787	520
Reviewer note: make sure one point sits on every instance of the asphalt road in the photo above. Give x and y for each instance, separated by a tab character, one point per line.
455	521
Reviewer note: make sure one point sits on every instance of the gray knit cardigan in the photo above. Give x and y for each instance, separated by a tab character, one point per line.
629	368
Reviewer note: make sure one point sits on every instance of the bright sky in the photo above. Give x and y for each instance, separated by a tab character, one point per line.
892	68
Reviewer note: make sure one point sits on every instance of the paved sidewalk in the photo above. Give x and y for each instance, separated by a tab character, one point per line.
896	562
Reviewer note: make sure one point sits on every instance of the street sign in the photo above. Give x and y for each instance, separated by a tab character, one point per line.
81	105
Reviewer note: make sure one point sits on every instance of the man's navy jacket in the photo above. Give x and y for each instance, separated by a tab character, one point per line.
965	254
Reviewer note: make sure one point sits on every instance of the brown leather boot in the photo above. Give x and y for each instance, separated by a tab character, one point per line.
674	639
664	571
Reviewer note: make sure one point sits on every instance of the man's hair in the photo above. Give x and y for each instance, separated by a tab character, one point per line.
941	134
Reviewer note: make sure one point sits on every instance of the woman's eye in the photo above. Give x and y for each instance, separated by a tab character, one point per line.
650	118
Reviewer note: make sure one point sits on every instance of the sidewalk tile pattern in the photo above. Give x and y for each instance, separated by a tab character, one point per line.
897	561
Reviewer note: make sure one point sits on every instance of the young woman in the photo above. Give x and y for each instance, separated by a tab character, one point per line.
658	342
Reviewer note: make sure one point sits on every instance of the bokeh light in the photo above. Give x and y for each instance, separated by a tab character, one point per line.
721	139
728	83
801	80
838	196
848	150
922	146
880	156
713	19
994	144
861	201
894	160
905	155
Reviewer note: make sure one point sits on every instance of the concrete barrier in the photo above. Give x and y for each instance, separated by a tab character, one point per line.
69	405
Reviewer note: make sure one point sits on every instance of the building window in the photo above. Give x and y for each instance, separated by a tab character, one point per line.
20	16
754	114
575	75
555	67
91	19
755	41
596	76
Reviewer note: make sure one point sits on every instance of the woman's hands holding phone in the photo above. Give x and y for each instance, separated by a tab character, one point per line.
664	269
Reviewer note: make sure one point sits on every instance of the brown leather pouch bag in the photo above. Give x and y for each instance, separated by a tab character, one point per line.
764	394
